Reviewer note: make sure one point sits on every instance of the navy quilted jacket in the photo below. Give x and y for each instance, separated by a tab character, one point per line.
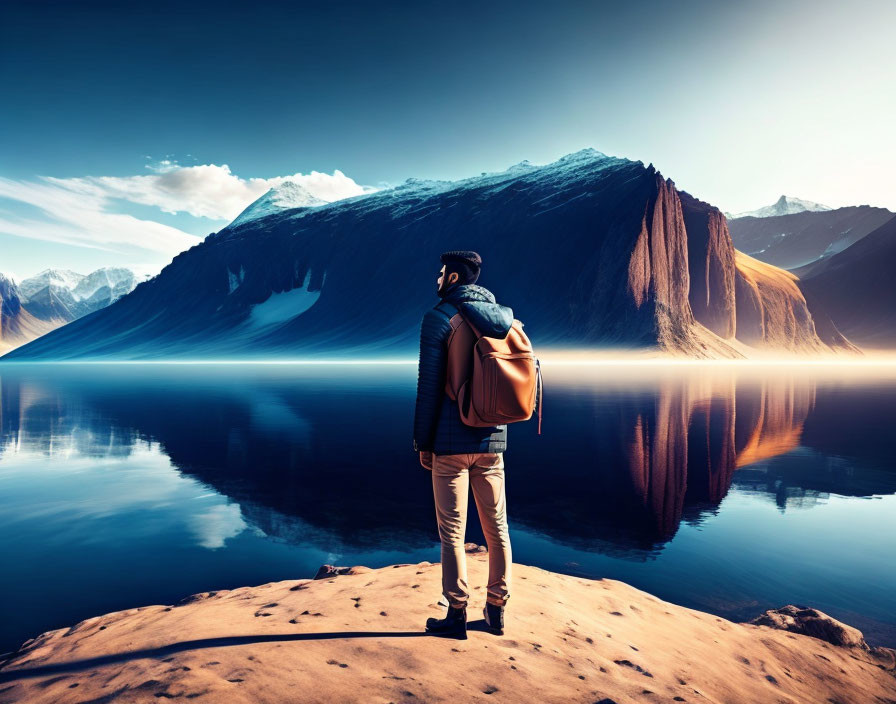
437	424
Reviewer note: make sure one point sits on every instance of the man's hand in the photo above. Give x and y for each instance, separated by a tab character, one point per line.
426	460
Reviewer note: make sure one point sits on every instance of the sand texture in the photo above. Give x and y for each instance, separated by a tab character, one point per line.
358	637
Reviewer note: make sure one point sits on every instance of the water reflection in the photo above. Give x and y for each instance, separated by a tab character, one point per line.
623	462
660	450
124	485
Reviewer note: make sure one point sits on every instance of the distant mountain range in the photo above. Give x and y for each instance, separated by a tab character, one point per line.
785	205
799	238
55	297
590	250
857	287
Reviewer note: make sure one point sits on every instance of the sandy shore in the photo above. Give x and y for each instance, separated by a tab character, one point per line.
358	638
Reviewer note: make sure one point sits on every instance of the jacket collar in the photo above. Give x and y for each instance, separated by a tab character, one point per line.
469	292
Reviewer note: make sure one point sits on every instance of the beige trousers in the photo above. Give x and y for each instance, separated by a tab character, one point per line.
452	476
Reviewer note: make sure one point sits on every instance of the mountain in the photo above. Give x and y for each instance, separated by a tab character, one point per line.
117	280
52	278
792	241
857	287
55	297
53	303
70	288
286	196
735	295
773	311
785	205
17	325
590	250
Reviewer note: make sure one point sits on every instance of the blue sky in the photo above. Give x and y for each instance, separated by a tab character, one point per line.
128	131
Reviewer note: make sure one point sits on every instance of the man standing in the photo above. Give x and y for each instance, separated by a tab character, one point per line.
459	455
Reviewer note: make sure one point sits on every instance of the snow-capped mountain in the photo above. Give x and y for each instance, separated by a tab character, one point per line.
287	195
10	297
56	278
55	297
590	250
785	205
17	324
798	239
55	304
118	280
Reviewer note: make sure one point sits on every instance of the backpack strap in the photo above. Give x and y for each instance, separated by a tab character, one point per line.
458	311
439	307
456	321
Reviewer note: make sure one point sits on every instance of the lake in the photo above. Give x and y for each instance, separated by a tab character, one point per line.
726	488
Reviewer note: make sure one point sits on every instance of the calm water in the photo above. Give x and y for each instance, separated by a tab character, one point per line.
722	490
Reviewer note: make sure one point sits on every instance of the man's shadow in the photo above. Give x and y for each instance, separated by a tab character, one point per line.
221	642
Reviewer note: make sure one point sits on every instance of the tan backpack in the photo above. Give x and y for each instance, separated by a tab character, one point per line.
494	381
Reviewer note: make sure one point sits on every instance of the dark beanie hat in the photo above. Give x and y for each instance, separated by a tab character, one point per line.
467	265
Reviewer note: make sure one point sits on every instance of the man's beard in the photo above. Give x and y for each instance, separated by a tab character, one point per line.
445	288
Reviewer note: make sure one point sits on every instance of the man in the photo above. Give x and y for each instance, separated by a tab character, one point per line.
460	455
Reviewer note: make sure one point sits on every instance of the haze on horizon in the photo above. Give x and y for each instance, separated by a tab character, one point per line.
132	132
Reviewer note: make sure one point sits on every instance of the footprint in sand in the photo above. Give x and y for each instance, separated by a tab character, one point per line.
638	668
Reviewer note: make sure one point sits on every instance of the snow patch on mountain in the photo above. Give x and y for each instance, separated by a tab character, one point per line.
785	205
234	280
283	306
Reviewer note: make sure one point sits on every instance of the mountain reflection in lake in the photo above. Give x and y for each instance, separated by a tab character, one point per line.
721	488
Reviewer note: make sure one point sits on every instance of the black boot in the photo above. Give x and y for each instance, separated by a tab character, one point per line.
494	619
454	623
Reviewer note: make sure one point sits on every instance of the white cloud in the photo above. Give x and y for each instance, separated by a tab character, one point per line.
209	191
82	211
162	165
213	526
75	212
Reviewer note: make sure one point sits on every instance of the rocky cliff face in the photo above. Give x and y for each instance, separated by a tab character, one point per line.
659	279
770	308
741	298
589	251
711	266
